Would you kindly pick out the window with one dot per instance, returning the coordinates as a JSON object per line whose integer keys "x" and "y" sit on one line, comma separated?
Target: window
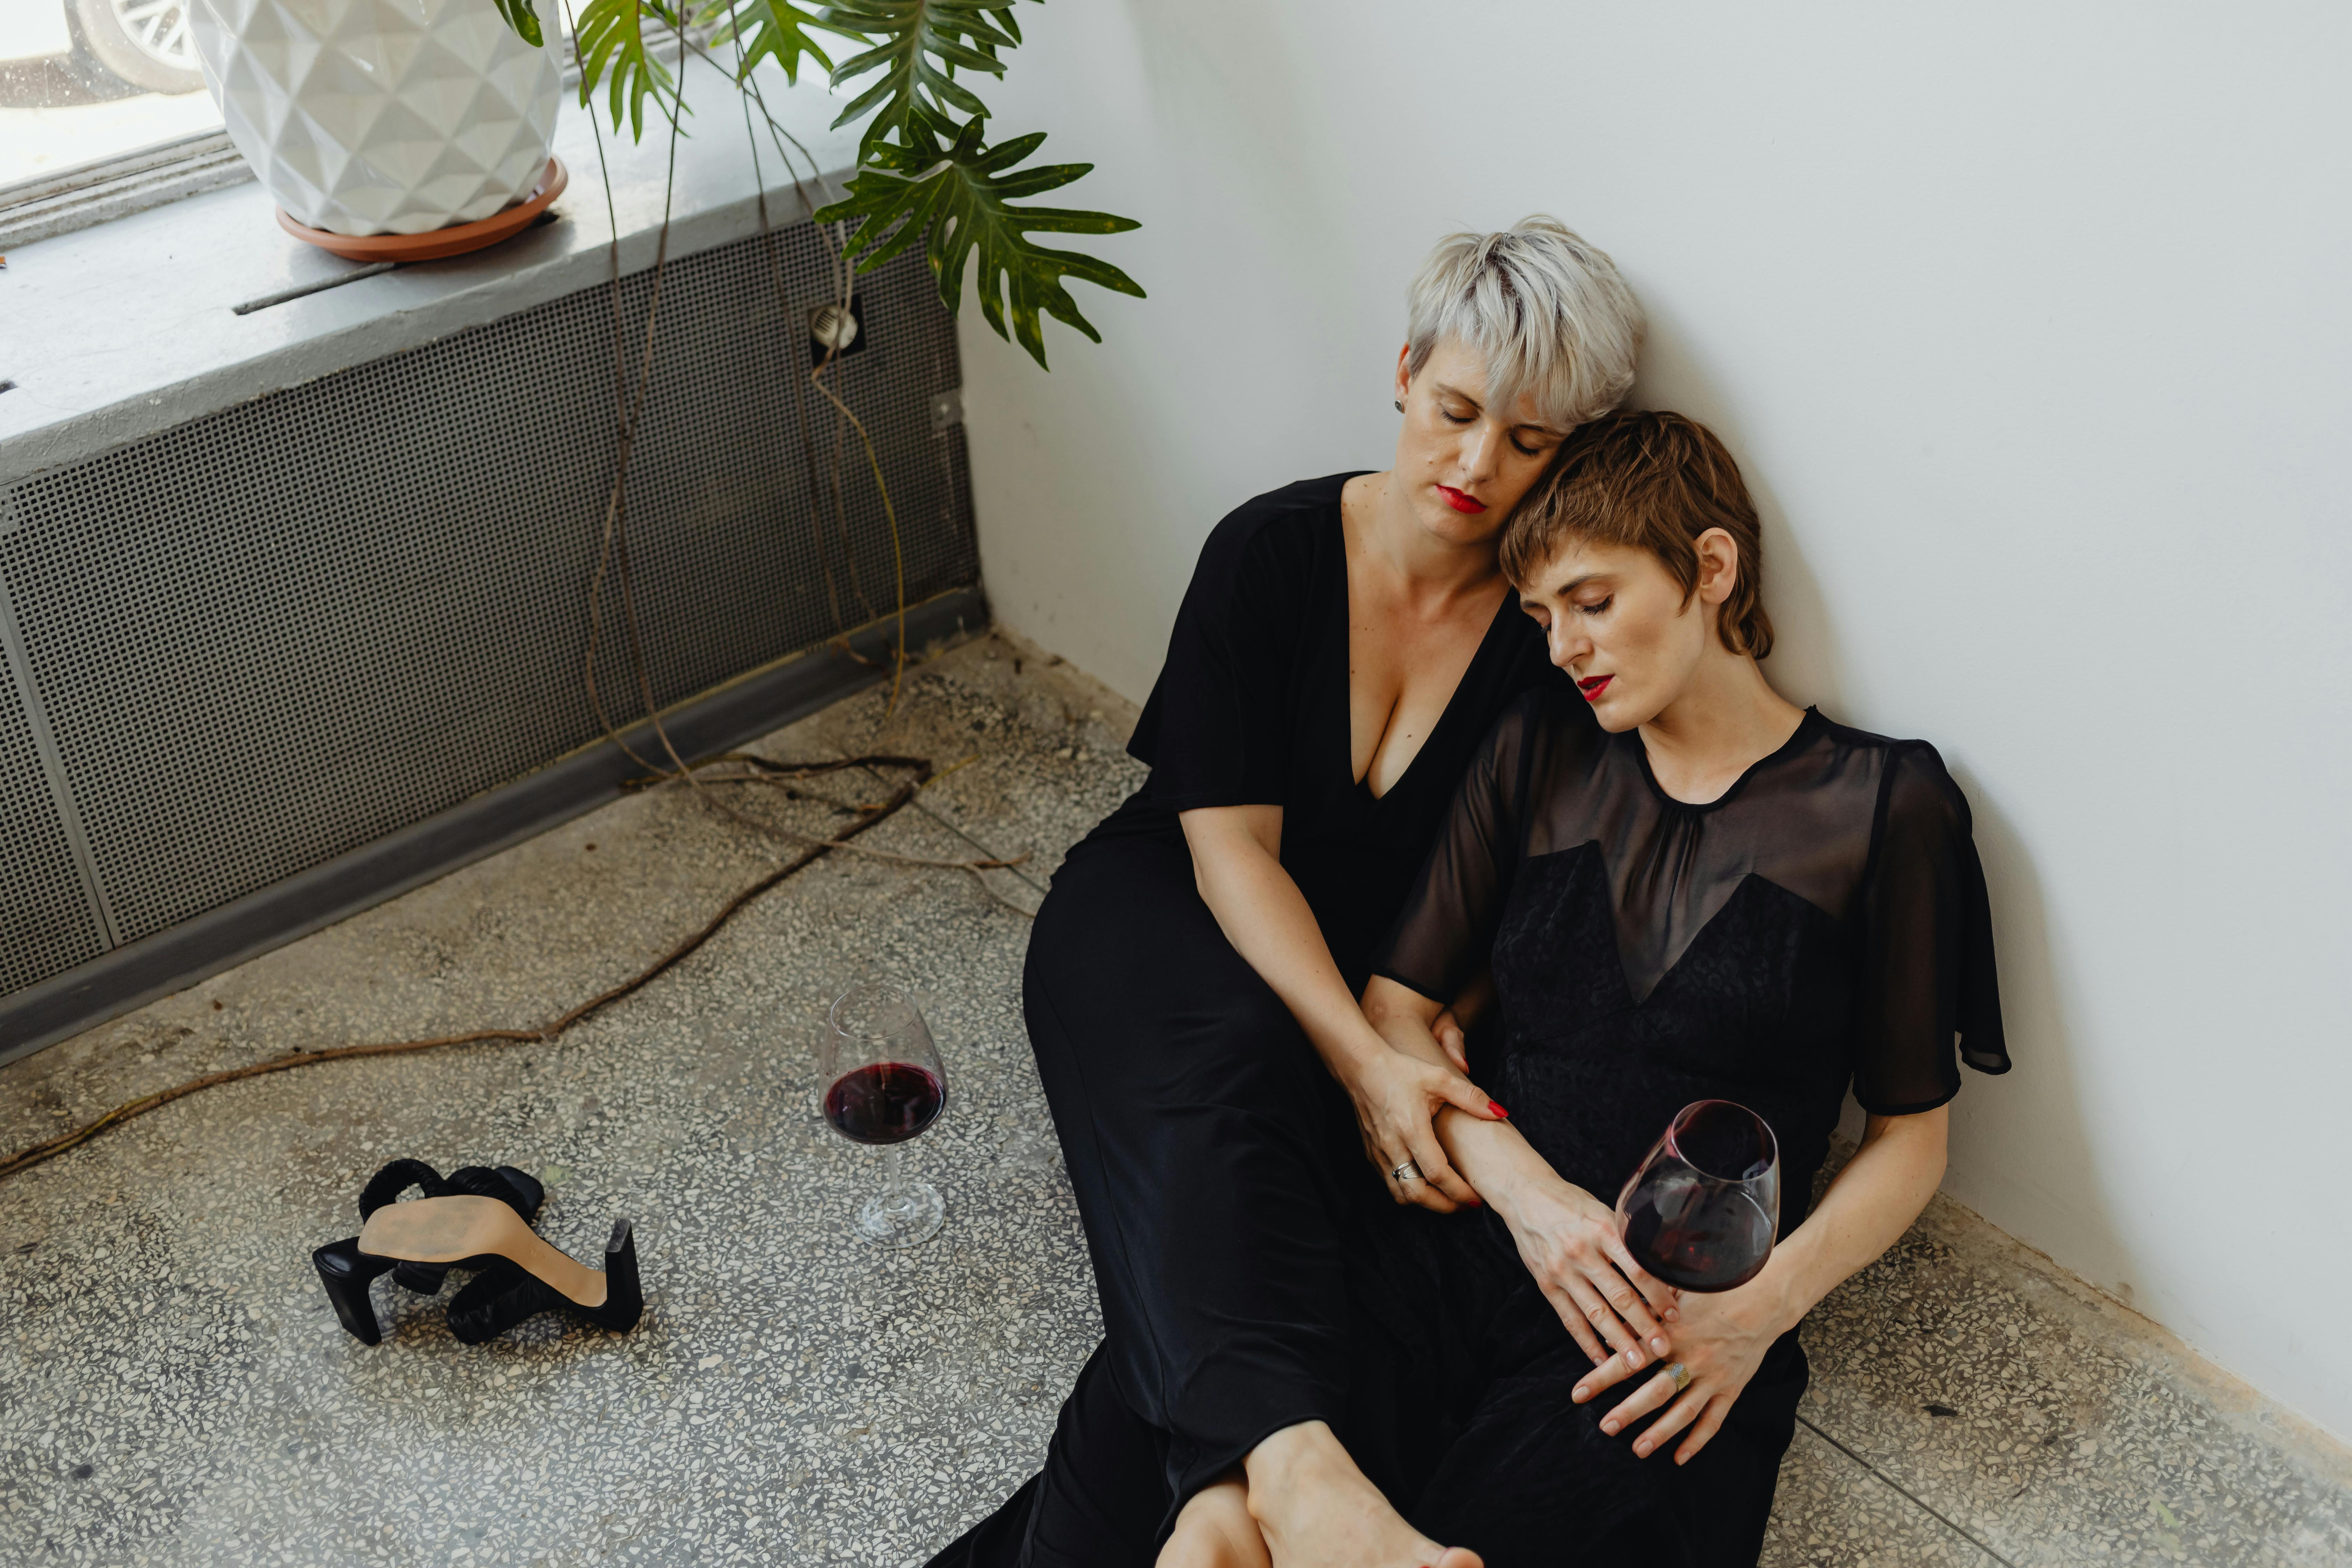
{"x": 86, "y": 79}
{"x": 102, "y": 112}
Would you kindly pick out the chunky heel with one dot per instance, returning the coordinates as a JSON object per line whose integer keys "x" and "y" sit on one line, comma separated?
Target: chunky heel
{"x": 524, "y": 1276}
{"x": 347, "y": 1272}
{"x": 625, "y": 1297}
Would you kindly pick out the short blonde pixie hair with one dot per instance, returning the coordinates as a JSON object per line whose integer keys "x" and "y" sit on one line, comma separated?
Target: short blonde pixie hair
{"x": 1545, "y": 309}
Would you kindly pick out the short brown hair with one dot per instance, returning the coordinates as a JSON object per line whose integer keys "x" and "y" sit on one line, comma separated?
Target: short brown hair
{"x": 1654, "y": 481}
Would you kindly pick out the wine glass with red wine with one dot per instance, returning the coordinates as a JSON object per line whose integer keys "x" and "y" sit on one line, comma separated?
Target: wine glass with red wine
{"x": 884, "y": 1085}
{"x": 1702, "y": 1208}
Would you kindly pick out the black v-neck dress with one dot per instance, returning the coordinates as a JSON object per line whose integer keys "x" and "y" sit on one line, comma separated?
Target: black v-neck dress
{"x": 1822, "y": 923}
{"x": 1215, "y": 1161}
{"x": 1252, "y": 709}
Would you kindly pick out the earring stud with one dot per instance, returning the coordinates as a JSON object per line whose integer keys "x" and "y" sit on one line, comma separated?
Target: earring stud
{"x": 1399, "y": 405}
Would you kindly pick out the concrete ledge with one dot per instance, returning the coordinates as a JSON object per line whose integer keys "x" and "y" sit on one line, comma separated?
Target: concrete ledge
{"x": 751, "y": 705}
{"x": 120, "y": 331}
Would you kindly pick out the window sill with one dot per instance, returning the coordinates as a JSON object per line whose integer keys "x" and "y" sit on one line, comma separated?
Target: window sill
{"x": 40, "y": 209}
{"x": 116, "y": 332}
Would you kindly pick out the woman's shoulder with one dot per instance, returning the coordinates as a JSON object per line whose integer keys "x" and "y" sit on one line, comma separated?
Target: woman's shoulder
{"x": 1276, "y": 534}
{"x": 1916, "y": 791}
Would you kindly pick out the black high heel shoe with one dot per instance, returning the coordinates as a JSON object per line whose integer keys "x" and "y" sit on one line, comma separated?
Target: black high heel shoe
{"x": 497, "y": 1299}
{"x": 533, "y": 1278}
{"x": 346, "y": 1272}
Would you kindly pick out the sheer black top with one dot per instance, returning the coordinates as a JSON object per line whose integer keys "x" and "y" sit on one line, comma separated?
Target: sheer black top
{"x": 1823, "y": 922}
{"x": 1251, "y": 708}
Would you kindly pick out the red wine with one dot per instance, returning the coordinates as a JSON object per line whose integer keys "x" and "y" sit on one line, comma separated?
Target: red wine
{"x": 887, "y": 1102}
{"x": 1695, "y": 1239}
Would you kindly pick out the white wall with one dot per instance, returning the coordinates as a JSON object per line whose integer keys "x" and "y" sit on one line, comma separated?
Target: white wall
{"x": 2029, "y": 326}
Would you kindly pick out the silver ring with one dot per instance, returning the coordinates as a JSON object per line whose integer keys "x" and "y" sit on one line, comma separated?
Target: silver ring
{"x": 1408, "y": 1171}
{"x": 1681, "y": 1374}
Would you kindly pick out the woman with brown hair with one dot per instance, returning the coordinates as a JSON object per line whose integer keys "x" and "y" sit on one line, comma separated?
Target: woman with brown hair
{"x": 1710, "y": 894}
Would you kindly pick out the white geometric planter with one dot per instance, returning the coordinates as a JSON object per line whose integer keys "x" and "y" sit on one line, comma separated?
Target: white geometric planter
{"x": 367, "y": 116}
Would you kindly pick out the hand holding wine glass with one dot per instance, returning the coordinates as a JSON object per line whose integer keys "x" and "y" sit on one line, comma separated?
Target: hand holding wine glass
{"x": 884, "y": 1084}
{"x": 1700, "y": 1213}
{"x": 1700, "y": 1210}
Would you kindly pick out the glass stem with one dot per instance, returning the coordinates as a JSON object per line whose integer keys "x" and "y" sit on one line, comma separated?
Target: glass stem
{"x": 894, "y": 1178}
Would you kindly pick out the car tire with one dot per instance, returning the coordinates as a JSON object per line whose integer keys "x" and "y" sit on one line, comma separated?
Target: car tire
{"x": 115, "y": 35}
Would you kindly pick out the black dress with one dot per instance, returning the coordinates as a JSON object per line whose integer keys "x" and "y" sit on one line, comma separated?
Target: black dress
{"x": 1823, "y": 922}
{"x": 1215, "y": 1160}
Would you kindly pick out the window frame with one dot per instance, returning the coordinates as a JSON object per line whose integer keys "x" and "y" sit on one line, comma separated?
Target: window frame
{"x": 64, "y": 200}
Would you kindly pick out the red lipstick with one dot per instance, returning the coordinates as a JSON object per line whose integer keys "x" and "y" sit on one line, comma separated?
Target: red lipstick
{"x": 1593, "y": 686}
{"x": 1461, "y": 501}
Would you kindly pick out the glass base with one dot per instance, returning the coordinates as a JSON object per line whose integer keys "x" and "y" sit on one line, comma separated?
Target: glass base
{"x": 910, "y": 1215}
{"x": 1029, "y": 1153}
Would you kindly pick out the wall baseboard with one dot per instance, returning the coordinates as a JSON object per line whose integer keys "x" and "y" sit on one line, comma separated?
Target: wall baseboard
{"x": 742, "y": 709}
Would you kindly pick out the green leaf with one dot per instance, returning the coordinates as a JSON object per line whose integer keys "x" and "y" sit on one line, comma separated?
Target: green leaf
{"x": 523, "y": 19}
{"x": 921, "y": 43}
{"x": 613, "y": 36}
{"x": 769, "y": 27}
{"x": 957, "y": 199}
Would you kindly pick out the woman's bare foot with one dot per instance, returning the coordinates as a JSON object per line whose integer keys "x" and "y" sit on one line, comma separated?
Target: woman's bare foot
{"x": 1317, "y": 1510}
{"x": 1215, "y": 1531}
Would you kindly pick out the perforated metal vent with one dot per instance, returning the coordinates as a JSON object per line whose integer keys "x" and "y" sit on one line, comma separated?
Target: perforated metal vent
{"x": 46, "y": 920}
{"x": 272, "y": 635}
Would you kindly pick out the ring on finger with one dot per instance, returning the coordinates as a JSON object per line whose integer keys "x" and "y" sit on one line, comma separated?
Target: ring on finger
{"x": 1408, "y": 1171}
{"x": 1681, "y": 1374}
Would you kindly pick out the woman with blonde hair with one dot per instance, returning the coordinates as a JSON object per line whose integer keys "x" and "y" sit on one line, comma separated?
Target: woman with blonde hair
{"x": 1192, "y": 984}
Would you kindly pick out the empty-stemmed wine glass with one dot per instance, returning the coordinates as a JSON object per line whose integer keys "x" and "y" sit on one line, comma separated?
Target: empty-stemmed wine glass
{"x": 884, "y": 1084}
{"x": 1701, "y": 1209}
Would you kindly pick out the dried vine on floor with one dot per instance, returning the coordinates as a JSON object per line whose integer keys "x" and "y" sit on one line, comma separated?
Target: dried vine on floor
{"x": 124, "y": 1112}
{"x": 612, "y": 563}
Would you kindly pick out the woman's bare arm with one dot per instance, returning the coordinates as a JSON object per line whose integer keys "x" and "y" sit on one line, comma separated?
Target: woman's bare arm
{"x": 1237, "y": 866}
{"x": 1868, "y": 1206}
{"x": 1566, "y": 1237}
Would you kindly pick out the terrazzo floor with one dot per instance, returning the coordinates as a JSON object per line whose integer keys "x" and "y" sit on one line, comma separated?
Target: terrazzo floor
{"x": 174, "y": 1390}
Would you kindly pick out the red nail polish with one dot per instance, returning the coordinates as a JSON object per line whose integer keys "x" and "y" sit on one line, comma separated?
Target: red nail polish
{"x": 1498, "y": 1111}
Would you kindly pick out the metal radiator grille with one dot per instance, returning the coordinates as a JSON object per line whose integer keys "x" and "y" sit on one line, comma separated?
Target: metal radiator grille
{"x": 45, "y": 923}
{"x": 269, "y": 636}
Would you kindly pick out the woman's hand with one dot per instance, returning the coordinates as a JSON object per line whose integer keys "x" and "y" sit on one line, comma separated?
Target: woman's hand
{"x": 1397, "y": 1099}
{"x": 1567, "y": 1239}
{"x": 1720, "y": 1341}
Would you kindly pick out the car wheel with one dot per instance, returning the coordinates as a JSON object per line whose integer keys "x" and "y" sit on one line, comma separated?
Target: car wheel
{"x": 147, "y": 43}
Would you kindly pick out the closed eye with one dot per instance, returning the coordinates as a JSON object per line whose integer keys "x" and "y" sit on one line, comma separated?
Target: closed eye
{"x": 1599, "y": 607}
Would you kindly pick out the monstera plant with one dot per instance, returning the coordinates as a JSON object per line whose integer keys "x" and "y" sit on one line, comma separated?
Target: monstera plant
{"x": 928, "y": 169}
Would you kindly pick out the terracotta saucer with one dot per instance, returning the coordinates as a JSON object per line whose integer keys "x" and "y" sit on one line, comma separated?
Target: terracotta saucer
{"x": 434, "y": 243}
